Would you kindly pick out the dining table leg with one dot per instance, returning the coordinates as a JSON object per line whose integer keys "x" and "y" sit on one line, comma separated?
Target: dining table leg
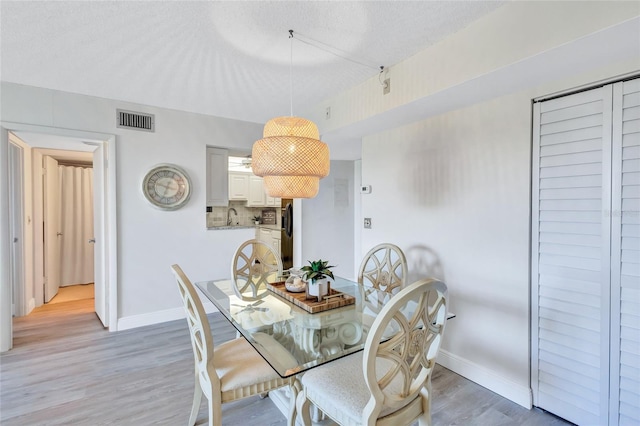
{"x": 295, "y": 389}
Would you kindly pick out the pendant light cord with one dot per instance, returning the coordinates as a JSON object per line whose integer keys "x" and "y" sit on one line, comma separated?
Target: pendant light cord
{"x": 330, "y": 49}
{"x": 334, "y": 51}
{"x": 291, "y": 69}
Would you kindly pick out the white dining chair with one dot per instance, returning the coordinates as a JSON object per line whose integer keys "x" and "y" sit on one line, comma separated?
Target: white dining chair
{"x": 227, "y": 372}
{"x": 384, "y": 268}
{"x": 383, "y": 272}
{"x": 389, "y": 382}
{"x": 254, "y": 265}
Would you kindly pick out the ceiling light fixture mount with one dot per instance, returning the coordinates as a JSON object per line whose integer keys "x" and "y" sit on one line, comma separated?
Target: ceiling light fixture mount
{"x": 290, "y": 156}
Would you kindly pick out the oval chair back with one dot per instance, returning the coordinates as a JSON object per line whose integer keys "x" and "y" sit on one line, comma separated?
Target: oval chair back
{"x": 384, "y": 268}
{"x": 201, "y": 341}
{"x": 254, "y": 265}
{"x": 398, "y": 369}
{"x": 239, "y": 370}
{"x": 389, "y": 382}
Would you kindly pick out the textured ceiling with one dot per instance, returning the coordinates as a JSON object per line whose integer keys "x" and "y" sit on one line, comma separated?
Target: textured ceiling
{"x": 229, "y": 59}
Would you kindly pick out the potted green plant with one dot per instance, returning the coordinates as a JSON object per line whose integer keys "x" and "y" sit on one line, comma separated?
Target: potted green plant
{"x": 316, "y": 274}
{"x": 256, "y": 220}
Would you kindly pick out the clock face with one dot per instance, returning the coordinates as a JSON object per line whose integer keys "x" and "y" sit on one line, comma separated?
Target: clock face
{"x": 167, "y": 186}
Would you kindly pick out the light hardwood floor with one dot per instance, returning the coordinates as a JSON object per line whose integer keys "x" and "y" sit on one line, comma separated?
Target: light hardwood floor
{"x": 65, "y": 369}
{"x": 74, "y": 292}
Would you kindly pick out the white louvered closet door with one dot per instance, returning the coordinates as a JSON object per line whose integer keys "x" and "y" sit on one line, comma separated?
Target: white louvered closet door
{"x": 585, "y": 256}
{"x": 625, "y": 254}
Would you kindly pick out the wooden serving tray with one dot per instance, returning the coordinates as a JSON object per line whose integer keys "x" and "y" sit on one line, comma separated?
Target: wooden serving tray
{"x": 337, "y": 299}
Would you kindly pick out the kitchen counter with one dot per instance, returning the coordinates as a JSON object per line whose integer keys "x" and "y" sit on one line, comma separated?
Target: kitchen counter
{"x": 217, "y": 228}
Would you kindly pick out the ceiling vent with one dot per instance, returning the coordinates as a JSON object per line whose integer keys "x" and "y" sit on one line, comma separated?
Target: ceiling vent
{"x": 136, "y": 120}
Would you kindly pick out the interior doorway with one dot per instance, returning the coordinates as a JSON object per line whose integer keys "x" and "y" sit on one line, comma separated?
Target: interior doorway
{"x": 58, "y": 184}
{"x": 105, "y": 260}
{"x": 69, "y": 230}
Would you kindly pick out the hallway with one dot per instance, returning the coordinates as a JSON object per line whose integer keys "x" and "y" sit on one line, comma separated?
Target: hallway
{"x": 74, "y": 292}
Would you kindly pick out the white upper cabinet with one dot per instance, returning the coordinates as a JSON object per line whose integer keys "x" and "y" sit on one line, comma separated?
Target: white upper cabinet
{"x": 270, "y": 201}
{"x": 256, "y": 192}
{"x": 238, "y": 186}
{"x": 217, "y": 177}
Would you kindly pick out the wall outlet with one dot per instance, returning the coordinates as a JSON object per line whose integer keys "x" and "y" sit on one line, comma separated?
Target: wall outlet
{"x": 367, "y": 223}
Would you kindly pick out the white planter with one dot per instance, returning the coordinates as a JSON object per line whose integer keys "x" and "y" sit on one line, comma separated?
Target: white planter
{"x": 318, "y": 289}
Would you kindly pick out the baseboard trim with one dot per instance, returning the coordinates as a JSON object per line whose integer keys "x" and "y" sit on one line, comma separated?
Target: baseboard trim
{"x": 519, "y": 394}
{"x": 151, "y": 318}
{"x": 31, "y": 305}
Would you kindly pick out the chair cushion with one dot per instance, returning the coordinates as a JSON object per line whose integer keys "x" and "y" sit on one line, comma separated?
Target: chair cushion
{"x": 242, "y": 371}
{"x": 339, "y": 389}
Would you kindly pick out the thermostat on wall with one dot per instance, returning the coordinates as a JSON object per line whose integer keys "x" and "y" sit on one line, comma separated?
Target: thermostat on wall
{"x": 365, "y": 189}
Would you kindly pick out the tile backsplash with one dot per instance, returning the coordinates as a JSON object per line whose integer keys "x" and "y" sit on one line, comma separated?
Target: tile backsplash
{"x": 218, "y": 215}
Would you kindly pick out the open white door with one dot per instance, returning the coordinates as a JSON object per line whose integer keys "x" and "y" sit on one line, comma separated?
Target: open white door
{"x": 99, "y": 235}
{"x": 6, "y": 322}
{"x": 16, "y": 227}
{"x": 51, "y": 228}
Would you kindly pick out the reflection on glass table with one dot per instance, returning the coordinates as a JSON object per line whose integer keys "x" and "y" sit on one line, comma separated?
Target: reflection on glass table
{"x": 288, "y": 337}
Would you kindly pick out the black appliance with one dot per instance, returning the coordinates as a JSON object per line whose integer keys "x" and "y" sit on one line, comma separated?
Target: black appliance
{"x": 286, "y": 242}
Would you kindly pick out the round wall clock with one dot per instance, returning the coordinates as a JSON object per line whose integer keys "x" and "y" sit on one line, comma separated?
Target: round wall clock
{"x": 167, "y": 186}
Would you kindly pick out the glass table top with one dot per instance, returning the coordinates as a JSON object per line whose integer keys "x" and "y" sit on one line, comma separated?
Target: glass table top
{"x": 288, "y": 337}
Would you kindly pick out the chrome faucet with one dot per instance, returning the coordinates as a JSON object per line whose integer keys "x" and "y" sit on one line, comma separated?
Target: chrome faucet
{"x": 231, "y": 209}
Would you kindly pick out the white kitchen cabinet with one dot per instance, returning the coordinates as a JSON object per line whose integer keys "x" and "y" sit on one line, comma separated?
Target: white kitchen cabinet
{"x": 238, "y": 186}
{"x": 256, "y": 197}
{"x": 270, "y": 201}
{"x": 256, "y": 193}
{"x": 275, "y": 241}
{"x": 265, "y": 236}
{"x": 217, "y": 177}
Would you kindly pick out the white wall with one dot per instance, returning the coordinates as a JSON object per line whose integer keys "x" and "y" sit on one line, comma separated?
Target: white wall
{"x": 149, "y": 240}
{"x": 328, "y": 221}
{"x": 453, "y": 192}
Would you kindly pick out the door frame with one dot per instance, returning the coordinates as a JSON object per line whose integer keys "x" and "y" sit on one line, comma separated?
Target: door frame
{"x": 108, "y": 240}
{"x": 17, "y": 228}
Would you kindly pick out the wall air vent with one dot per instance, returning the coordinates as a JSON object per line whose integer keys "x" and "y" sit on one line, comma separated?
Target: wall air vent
{"x": 136, "y": 120}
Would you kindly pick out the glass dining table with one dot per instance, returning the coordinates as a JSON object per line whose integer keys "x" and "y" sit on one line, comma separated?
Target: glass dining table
{"x": 291, "y": 339}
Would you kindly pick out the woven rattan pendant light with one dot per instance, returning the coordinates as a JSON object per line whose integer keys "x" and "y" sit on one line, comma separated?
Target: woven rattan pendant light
{"x": 290, "y": 156}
